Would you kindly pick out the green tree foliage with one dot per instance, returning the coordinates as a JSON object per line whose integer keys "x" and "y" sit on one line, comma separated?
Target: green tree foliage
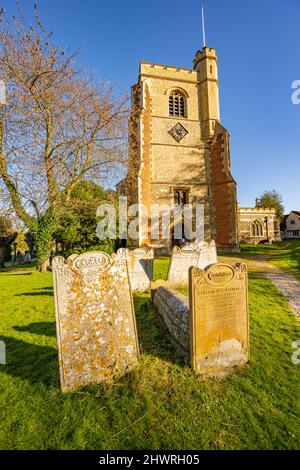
{"x": 272, "y": 199}
{"x": 22, "y": 246}
{"x": 7, "y": 237}
{"x": 76, "y": 231}
{"x": 43, "y": 229}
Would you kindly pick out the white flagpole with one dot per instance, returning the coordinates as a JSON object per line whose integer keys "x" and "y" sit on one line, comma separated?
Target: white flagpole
{"x": 203, "y": 26}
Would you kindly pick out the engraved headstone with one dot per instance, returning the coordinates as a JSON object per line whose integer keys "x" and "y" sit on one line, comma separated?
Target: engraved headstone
{"x": 219, "y": 321}
{"x": 183, "y": 258}
{"x": 95, "y": 321}
{"x": 140, "y": 267}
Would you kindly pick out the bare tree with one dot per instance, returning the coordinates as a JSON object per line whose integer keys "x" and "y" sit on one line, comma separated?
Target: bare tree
{"x": 57, "y": 127}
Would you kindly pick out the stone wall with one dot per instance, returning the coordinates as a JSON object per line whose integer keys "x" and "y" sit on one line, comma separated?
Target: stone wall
{"x": 173, "y": 309}
{"x": 223, "y": 207}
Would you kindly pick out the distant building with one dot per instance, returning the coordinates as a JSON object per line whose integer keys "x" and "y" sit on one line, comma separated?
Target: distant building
{"x": 258, "y": 224}
{"x": 291, "y": 227}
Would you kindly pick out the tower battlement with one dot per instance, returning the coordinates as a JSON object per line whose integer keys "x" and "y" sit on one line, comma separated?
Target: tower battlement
{"x": 205, "y": 53}
{"x": 171, "y": 72}
{"x": 166, "y": 67}
{"x": 257, "y": 210}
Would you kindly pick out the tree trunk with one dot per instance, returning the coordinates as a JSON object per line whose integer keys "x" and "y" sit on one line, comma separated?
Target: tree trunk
{"x": 2, "y": 256}
{"x": 44, "y": 266}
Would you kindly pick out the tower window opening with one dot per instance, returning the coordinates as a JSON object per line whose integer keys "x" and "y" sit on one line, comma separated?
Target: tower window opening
{"x": 177, "y": 104}
{"x": 180, "y": 198}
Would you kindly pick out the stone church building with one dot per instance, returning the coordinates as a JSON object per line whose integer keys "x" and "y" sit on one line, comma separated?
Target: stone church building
{"x": 179, "y": 152}
{"x": 178, "y": 149}
{"x": 257, "y": 225}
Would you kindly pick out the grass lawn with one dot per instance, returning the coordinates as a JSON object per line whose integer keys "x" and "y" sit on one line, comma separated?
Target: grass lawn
{"x": 162, "y": 404}
{"x": 284, "y": 255}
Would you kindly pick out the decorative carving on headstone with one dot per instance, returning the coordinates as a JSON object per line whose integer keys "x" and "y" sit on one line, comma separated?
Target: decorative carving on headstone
{"x": 219, "y": 320}
{"x": 97, "y": 338}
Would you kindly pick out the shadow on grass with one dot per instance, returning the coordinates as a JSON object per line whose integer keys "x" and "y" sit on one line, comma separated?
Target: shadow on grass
{"x": 39, "y": 328}
{"x": 16, "y": 274}
{"x": 153, "y": 337}
{"x": 39, "y": 364}
{"x": 35, "y": 294}
{"x": 18, "y": 267}
{"x": 47, "y": 288}
{"x": 31, "y": 362}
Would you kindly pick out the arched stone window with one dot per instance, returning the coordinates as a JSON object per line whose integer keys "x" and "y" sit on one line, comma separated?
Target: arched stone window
{"x": 177, "y": 104}
{"x": 257, "y": 229}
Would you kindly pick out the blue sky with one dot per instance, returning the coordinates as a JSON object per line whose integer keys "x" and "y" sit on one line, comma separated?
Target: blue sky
{"x": 257, "y": 43}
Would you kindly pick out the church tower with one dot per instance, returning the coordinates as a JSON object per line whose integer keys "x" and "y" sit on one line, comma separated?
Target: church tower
{"x": 179, "y": 152}
{"x": 206, "y": 65}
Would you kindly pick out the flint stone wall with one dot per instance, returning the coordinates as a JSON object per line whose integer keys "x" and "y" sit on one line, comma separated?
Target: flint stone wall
{"x": 173, "y": 310}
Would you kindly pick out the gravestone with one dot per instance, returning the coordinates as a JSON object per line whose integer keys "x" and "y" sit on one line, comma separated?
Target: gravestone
{"x": 95, "y": 321}
{"x": 219, "y": 321}
{"x": 207, "y": 255}
{"x": 183, "y": 258}
{"x": 2, "y": 353}
{"x": 140, "y": 267}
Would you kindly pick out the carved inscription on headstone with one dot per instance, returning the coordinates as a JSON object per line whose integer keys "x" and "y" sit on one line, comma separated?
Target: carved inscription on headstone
{"x": 219, "y": 324}
{"x": 95, "y": 319}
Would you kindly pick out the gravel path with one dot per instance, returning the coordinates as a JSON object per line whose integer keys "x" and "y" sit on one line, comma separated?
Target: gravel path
{"x": 289, "y": 287}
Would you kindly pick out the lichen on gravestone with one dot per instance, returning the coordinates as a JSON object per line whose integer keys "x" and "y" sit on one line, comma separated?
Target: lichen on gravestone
{"x": 97, "y": 338}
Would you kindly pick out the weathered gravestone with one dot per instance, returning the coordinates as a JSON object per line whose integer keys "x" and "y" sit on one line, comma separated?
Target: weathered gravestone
{"x": 219, "y": 323}
{"x": 207, "y": 255}
{"x": 95, "y": 321}
{"x": 140, "y": 267}
{"x": 183, "y": 258}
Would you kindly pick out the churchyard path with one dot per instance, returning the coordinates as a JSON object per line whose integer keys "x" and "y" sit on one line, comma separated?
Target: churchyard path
{"x": 287, "y": 284}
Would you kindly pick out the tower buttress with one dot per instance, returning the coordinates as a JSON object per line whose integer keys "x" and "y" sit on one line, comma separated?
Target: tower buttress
{"x": 206, "y": 64}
